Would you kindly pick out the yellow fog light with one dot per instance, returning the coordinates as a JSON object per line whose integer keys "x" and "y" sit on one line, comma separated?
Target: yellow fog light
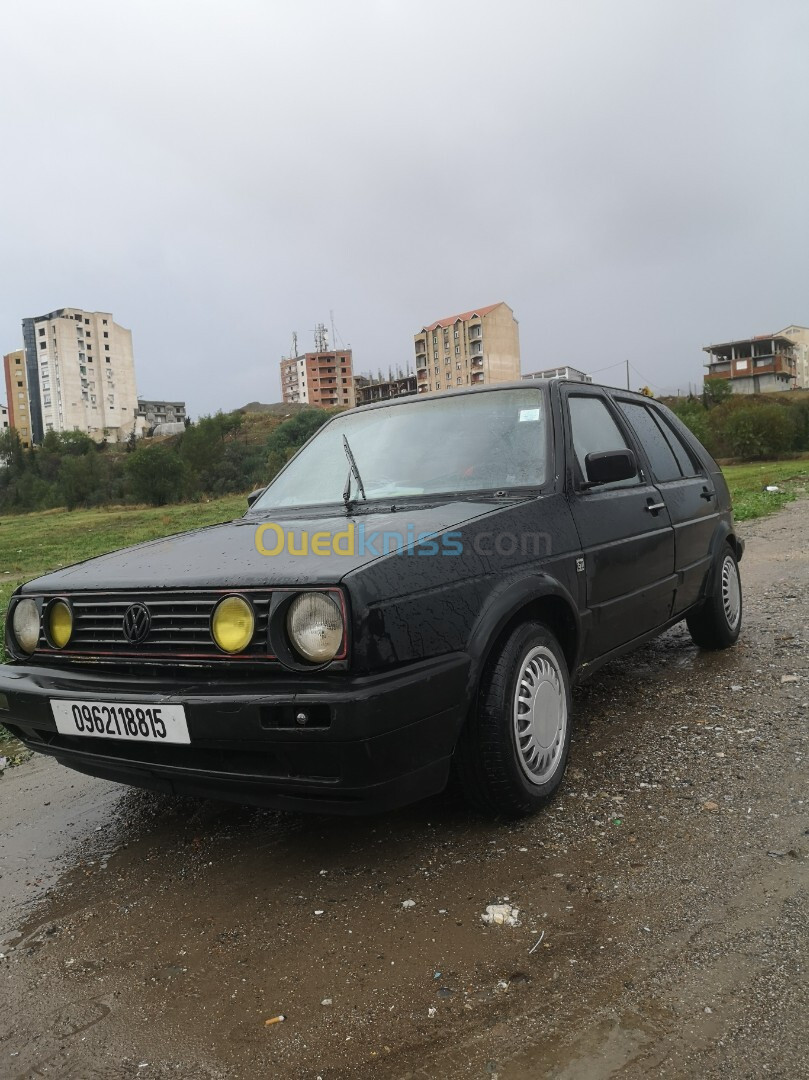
{"x": 25, "y": 625}
{"x": 232, "y": 624}
{"x": 60, "y": 623}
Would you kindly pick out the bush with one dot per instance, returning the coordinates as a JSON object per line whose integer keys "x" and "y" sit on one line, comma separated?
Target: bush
{"x": 156, "y": 475}
{"x": 759, "y": 431}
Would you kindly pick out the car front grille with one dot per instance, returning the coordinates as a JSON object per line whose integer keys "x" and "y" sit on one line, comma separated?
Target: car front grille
{"x": 179, "y": 626}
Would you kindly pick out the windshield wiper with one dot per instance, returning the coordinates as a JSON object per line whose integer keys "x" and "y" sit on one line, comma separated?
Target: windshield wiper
{"x": 353, "y": 471}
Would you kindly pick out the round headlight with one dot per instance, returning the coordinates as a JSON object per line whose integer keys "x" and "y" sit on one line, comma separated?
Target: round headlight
{"x": 25, "y": 624}
{"x": 315, "y": 626}
{"x": 60, "y": 623}
{"x": 233, "y": 624}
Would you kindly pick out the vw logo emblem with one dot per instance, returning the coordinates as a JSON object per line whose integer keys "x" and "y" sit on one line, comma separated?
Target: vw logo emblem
{"x": 137, "y": 622}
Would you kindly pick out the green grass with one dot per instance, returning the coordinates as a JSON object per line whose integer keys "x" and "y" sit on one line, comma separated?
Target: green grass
{"x": 747, "y": 484}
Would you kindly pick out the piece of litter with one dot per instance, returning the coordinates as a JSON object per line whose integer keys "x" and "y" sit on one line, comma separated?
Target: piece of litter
{"x": 772, "y": 488}
{"x": 708, "y": 1009}
{"x": 436, "y": 974}
{"x": 790, "y": 678}
{"x": 432, "y": 1011}
{"x": 408, "y": 903}
{"x": 275, "y": 1020}
{"x": 326, "y": 1001}
{"x": 501, "y": 915}
{"x": 538, "y": 943}
{"x": 320, "y": 911}
{"x": 712, "y": 806}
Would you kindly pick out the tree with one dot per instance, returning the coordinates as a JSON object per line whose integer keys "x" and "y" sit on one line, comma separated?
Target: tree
{"x": 715, "y": 391}
{"x": 156, "y": 475}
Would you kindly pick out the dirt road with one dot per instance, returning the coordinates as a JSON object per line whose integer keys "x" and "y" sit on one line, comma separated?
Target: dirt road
{"x": 664, "y": 918}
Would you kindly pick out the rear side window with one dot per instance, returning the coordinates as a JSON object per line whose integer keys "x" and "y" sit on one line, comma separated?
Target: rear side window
{"x": 685, "y": 459}
{"x": 653, "y": 440}
{"x": 594, "y": 430}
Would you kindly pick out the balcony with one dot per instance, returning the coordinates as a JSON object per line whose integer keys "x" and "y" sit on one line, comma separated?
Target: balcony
{"x": 475, "y": 333}
{"x": 477, "y": 377}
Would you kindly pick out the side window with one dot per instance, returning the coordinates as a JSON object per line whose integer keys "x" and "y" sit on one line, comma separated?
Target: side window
{"x": 594, "y": 430}
{"x": 685, "y": 459}
{"x": 659, "y": 452}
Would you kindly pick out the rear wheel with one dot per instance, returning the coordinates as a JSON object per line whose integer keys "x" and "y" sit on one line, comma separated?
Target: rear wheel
{"x": 513, "y": 751}
{"x": 717, "y": 622}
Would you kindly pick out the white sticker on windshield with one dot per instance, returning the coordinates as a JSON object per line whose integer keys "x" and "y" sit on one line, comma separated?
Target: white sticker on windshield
{"x": 529, "y": 414}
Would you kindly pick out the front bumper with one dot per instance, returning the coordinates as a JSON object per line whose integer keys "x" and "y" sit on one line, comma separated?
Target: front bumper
{"x": 385, "y": 740}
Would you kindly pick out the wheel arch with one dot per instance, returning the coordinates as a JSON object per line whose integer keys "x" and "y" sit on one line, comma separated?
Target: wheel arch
{"x": 544, "y": 599}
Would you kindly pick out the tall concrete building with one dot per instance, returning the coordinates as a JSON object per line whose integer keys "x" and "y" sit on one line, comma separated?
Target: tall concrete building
{"x": 16, "y": 378}
{"x": 761, "y": 364}
{"x": 321, "y": 378}
{"x": 81, "y": 374}
{"x": 480, "y": 346}
{"x": 4, "y": 424}
{"x": 799, "y": 336}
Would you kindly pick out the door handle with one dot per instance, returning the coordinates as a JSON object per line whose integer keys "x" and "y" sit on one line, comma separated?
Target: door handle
{"x": 654, "y": 507}
{"x": 707, "y": 494}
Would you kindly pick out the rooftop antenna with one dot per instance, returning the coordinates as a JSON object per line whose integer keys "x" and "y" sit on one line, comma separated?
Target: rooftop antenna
{"x": 321, "y": 339}
{"x": 294, "y": 344}
{"x": 335, "y": 335}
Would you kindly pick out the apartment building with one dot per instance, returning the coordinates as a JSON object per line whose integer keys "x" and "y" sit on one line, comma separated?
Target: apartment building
{"x": 4, "y": 424}
{"x": 566, "y": 372}
{"x": 153, "y": 413}
{"x": 81, "y": 374}
{"x": 757, "y": 365}
{"x": 480, "y": 346}
{"x": 322, "y": 378}
{"x": 16, "y": 379}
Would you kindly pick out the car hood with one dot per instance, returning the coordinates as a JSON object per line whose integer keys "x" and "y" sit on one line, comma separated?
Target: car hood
{"x": 228, "y": 555}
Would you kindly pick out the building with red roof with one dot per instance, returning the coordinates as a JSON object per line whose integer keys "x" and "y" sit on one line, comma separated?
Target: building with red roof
{"x": 473, "y": 347}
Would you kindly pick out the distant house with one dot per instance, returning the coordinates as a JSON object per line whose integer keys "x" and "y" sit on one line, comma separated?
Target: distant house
{"x": 762, "y": 364}
{"x": 565, "y": 372}
{"x": 152, "y": 413}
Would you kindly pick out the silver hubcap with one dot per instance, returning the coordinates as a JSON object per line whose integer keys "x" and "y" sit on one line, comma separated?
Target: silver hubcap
{"x": 731, "y": 592}
{"x": 540, "y": 715}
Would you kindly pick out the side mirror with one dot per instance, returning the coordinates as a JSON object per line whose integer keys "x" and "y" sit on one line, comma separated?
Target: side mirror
{"x": 609, "y": 466}
{"x": 251, "y": 498}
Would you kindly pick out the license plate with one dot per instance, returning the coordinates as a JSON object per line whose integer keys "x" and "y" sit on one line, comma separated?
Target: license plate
{"x": 121, "y": 720}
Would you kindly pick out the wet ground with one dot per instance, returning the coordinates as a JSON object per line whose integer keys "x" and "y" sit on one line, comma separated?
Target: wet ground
{"x": 664, "y": 918}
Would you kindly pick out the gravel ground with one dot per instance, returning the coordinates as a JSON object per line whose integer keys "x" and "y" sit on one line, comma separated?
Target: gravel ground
{"x": 663, "y": 916}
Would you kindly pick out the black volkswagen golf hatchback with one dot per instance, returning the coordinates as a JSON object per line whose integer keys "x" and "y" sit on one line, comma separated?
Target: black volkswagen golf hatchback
{"x": 411, "y": 596}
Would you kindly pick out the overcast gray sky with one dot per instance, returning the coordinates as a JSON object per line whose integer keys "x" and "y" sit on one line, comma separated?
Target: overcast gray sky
{"x": 629, "y": 175}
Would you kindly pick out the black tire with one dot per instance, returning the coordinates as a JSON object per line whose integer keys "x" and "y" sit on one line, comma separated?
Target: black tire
{"x": 717, "y": 622}
{"x": 493, "y": 764}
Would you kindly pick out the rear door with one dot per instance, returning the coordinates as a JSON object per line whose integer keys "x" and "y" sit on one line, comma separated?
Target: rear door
{"x": 624, "y": 529}
{"x": 687, "y": 490}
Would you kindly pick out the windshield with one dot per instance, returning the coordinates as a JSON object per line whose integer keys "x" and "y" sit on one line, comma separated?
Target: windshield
{"x": 467, "y": 442}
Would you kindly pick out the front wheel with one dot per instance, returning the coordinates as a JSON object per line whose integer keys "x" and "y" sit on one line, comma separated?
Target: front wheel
{"x": 717, "y": 622}
{"x": 512, "y": 753}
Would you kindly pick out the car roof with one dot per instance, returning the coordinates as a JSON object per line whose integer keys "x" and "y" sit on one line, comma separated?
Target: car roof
{"x": 517, "y": 384}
